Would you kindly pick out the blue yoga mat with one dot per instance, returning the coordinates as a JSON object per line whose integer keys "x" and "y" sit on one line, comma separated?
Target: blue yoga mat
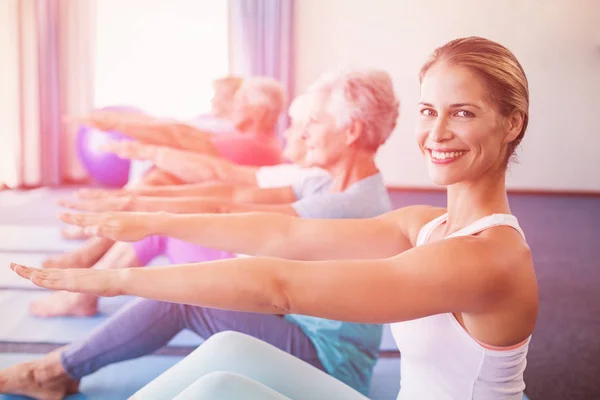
{"x": 115, "y": 382}
{"x": 35, "y": 239}
{"x": 19, "y": 327}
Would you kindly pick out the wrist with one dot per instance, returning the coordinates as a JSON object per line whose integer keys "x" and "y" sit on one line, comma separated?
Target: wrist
{"x": 121, "y": 280}
{"x": 158, "y": 223}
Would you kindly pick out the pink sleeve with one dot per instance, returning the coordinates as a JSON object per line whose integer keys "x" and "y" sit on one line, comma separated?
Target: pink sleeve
{"x": 147, "y": 249}
{"x": 248, "y": 150}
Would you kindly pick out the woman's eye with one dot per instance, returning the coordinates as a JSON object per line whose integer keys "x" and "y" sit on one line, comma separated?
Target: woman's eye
{"x": 428, "y": 112}
{"x": 464, "y": 114}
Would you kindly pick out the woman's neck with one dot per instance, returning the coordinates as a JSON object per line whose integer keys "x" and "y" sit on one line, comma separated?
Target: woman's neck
{"x": 352, "y": 169}
{"x": 471, "y": 200}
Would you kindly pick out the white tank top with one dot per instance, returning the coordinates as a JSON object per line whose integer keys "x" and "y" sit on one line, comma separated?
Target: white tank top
{"x": 441, "y": 361}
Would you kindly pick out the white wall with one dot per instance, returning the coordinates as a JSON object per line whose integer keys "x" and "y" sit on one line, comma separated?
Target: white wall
{"x": 557, "y": 42}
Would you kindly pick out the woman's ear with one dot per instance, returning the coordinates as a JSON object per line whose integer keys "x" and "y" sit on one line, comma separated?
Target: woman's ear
{"x": 514, "y": 125}
{"x": 354, "y": 131}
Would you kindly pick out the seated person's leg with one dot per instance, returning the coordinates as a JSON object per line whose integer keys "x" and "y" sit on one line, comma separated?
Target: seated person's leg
{"x": 144, "y": 327}
{"x": 225, "y": 385}
{"x": 84, "y": 257}
{"x": 255, "y": 359}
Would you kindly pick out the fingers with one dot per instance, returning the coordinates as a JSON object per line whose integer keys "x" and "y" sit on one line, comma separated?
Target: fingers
{"x": 55, "y": 279}
{"x": 128, "y": 149}
{"x": 80, "y": 205}
{"x": 83, "y": 220}
{"x": 96, "y": 205}
{"x": 41, "y": 278}
{"x": 89, "y": 194}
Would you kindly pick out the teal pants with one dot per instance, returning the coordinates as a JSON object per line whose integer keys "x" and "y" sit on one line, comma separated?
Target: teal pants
{"x": 234, "y": 366}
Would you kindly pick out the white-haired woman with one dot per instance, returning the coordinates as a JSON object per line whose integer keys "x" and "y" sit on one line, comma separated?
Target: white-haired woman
{"x": 343, "y": 119}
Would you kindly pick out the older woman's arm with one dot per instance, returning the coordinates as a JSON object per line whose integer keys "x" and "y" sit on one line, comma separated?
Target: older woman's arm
{"x": 269, "y": 234}
{"x": 151, "y": 130}
{"x": 189, "y": 166}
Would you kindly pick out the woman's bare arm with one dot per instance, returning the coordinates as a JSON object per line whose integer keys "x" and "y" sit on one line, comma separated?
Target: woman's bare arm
{"x": 151, "y": 130}
{"x": 267, "y": 234}
{"x": 189, "y": 166}
{"x": 444, "y": 276}
{"x": 134, "y": 199}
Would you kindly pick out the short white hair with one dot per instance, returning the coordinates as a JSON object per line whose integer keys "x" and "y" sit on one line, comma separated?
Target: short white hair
{"x": 366, "y": 95}
{"x": 265, "y": 93}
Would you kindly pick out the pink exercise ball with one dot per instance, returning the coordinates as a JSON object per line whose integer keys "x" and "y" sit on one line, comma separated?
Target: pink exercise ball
{"x": 105, "y": 168}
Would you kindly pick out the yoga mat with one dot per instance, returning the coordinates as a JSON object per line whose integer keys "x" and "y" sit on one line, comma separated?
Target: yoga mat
{"x": 115, "y": 382}
{"x": 17, "y": 326}
{"x": 34, "y": 238}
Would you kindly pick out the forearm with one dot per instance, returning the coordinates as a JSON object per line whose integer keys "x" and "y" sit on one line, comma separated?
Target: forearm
{"x": 197, "y": 168}
{"x": 284, "y": 236}
{"x": 218, "y": 190}
{"x": 177, "y": 205}
{"x": 276, "y": 286}
{"x": 235, "y": 284}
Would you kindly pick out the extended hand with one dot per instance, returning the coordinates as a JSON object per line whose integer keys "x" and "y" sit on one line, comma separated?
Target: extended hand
{"x": 122, "y": 226}
{"x": 110, "y": 120}
{"x": 89, "y": 194}
{"x": 106, "y": 283}
{"x": 122, "y": 203}
{"x": 131, "y": 150}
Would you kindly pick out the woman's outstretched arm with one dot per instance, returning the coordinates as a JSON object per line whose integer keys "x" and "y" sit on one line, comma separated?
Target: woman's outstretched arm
{"x": 151, "y": 130}
{"x": 189, "y": 166}
{"x": 216, "y": 198}
{"x": 266, "y": 234}
{"x": 417, "y": 283}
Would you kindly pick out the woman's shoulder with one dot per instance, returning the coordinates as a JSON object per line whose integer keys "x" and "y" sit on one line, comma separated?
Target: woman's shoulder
{"x": 411, "y": 219}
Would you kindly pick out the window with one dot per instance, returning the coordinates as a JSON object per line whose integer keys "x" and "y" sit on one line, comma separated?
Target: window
{"x": 160, "y": 56}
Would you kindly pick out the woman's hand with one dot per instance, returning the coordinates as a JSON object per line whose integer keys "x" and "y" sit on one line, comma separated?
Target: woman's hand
{"x": 99, "y": 204}
{"x": 132, "y": 150}
{"x": 92, "y": 194}
{"x": 121, "y": 226}
{"x": 106, "y": 120}
{"x": 106, "y": 283}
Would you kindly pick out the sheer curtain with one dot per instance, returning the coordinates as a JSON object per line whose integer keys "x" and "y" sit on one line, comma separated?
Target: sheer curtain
{"x": 48, "y": 73}
{"x": 262, "y": 38}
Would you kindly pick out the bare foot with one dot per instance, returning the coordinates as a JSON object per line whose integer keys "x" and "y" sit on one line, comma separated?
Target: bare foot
{"x": 85, "y": 257}
{"x": 74, "y": 259}
{"x": 43, "y": 379}
{"x": 65, "y": 304}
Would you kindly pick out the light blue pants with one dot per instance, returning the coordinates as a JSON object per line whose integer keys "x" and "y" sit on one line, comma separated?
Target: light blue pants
{"x": 235, "y": 366}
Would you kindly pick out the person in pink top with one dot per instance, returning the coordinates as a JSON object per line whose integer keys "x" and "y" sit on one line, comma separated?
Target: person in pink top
{"x": 254, "y": 109}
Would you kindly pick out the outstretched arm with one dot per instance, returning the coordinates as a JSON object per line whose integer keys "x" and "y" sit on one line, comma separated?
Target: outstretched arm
{"x": 414, "y": 284}
{"x": 265, "y": 234}
{"x": 204, "y": 198}
{"x": 188, "y": 205}
{"x": 188, "y": 166}
{"x": 154, "y": 131}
